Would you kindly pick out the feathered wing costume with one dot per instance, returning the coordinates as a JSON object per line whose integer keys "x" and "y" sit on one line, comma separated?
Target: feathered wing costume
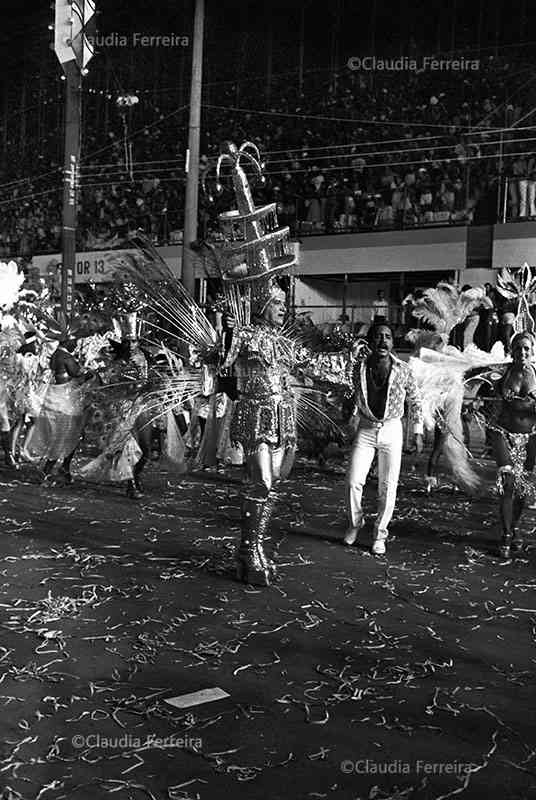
{"x": 440, "y": 371}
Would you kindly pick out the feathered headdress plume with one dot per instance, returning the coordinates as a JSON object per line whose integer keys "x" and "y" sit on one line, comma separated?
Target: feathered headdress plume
{"x": 446, "y": 306}
{"x": 178, "y": 314}
{"x": 11, "y": 281}
{"x": 520, "y": 286}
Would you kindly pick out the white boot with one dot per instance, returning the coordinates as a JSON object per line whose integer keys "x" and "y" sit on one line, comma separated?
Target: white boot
{"x": 431, "y": 483}
{"x": 351, "y": 534}
{"x": 378, "y": 545}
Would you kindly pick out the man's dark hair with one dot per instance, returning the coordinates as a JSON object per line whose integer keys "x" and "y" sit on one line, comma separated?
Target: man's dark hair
{"x": 375, "y": 326}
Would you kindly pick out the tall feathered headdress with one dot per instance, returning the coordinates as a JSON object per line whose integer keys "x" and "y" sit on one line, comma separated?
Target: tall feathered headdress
{"x": 446, "y": 306}
{"x": 255, "y": 248}
{"x": 520, "y": 286}
{"x": 174, "y": 311}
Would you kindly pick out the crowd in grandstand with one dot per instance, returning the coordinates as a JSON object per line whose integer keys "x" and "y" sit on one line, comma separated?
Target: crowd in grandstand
{"x": 341, "y": 155}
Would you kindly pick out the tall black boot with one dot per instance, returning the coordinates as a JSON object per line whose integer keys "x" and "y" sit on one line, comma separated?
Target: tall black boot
{"x": 251, "y": 563}
{"x": 9, "y": 458}
{"x": 132, "y": 491}
{"x": 65, "y": 469}
{"x": 138, "y": 469}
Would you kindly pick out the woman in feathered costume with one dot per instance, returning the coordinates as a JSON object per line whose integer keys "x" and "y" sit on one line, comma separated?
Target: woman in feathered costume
{"x": 57, "y": 430}
{"x": 125, "y": 421}
{"x": 513, "y": 421}
{"x": 441, "y": 381}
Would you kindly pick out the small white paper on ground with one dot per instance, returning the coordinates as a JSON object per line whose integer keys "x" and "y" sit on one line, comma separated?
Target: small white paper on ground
{"x": 197, "y": 698}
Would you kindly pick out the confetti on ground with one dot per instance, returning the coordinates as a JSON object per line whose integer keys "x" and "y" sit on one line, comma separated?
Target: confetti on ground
{"x": 350, "y": 677}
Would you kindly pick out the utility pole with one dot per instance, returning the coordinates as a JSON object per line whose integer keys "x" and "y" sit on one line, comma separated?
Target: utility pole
{"x": 301, "y": 47}
{"x": 73, "y": 43}
{"x": 73, "y": 99}
{"x": 269, "y": 60}
{"x": 192, "y": 156}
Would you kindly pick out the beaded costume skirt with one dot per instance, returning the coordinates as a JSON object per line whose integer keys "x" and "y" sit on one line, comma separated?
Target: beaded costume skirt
{"x": 270, "y": 419}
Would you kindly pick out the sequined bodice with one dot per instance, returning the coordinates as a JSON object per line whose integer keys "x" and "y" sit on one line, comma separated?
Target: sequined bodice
{"x": 262, "y": 359}
{"x": 256, "y": 379}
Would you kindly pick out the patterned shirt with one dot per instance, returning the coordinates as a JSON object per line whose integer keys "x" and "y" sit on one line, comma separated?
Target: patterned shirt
{"x": 401, "y": 387}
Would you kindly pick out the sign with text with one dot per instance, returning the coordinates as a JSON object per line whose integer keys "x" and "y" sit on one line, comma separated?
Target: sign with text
{"x": 98, "y": 266}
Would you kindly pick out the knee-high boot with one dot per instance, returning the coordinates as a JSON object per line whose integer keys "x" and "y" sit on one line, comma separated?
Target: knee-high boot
{"x": 134, "y": 486}
{"x": 5, "y": 439}
{"x": 251, "y": 563}
{"x": 138, "y": 469}
{"x": 264, "y": 524}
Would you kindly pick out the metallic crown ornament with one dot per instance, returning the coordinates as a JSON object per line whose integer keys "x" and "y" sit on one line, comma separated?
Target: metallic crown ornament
{"x": 255, "y": 248}
{"x": 519, "y": 285}
{"x": 129, "y": 326}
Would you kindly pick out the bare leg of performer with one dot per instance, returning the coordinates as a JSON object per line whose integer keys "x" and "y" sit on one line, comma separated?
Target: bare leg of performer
{"x": 506, "y": 510}
{"x": 519, "y": 503}
{"x": 15, "y": 434}
{"x": 433, "y": 461}
{"x": 517, "y": 510}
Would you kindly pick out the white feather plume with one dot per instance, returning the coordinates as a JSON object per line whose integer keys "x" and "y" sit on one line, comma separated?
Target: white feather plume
{"x": 11, "y": 281}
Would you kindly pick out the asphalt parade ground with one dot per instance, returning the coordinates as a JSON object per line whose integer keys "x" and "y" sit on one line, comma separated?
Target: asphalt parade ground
{"x": 410, "y": 676}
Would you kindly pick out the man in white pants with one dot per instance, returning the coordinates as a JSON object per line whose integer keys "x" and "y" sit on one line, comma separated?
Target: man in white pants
{"x": 382, "y": 385}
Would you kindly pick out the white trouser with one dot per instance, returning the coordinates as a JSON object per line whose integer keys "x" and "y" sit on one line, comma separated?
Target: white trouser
{"x": 386, "y": 440}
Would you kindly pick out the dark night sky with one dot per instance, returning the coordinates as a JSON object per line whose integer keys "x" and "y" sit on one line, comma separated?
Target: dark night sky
{"x": 430, "y": 22}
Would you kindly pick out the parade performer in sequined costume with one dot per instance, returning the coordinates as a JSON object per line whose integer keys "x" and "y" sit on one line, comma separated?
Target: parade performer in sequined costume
{"x": 58, "y": 428}
{"x": 263, "y": 423}
{"x": 261, "y": 358}
{"x": 12, "y": 378}
{"x": 263, "y": 355}
{"x": 33, "y": 376}
{"x": 123, "y": 379}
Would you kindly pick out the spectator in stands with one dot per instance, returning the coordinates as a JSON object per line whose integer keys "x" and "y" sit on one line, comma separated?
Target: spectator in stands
{"x": 518, "y": 187}
{"x": 380, "y": 308}
{"x": 343, "y": 191}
